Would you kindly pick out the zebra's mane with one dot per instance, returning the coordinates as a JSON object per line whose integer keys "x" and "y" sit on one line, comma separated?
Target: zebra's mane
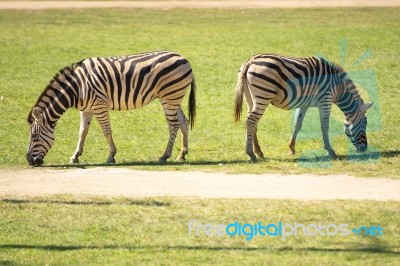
{"x": 60, "y": 74}
{"x": 337, "y": 69}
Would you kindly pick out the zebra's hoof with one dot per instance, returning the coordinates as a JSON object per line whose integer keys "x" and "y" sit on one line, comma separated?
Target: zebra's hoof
{"x": 162, "y": 160}
{"x": 253, "y": 158}
{"x": 110, "y": 160}
{"x": 332, "y": 155}
{"x": 181, "y": 158}
{"x": 73, "y": 160}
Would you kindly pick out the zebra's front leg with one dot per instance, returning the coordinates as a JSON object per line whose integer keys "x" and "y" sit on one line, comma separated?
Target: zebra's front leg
{"x": 324, "y": 113}
{"x": 184, "y": 125}
{"x": 104, "y": 121}
{"x": 298, "y": 122}
{"x": 86, "y": 118}
{"x": 112, "y": 149}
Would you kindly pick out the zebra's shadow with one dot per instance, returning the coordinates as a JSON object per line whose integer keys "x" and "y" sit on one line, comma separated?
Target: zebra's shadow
{"x": 318, "y": 159}
{"x": 146, "y": 163}
{"x": 370, "y": 155}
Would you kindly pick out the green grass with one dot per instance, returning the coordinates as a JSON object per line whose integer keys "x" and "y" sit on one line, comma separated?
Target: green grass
{"x": 65, "y": 230}
{"x": 35, "y": 44}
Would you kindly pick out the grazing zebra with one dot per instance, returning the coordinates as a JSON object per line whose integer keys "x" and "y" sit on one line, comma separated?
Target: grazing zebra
{"x": 96, "y": 85}
{"x": 299, "y": 83}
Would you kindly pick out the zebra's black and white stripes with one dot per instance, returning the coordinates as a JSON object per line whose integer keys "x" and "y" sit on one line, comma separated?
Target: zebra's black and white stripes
{"x": 96, "y": 85}
{"x": 289, "y": 83}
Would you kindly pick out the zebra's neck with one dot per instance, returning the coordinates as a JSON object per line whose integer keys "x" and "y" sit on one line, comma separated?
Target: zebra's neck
{"x": 349, "y": 101}
{"x": 346, "y": 94}
{"x": 59, "y": 96}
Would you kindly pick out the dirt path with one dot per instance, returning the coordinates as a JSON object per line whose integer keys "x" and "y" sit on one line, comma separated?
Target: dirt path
{"x": 114, "y": 182}
{"x": 196, "y": 4}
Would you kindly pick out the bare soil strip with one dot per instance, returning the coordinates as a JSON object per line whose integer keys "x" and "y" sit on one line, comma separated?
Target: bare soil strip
{"x": 115, "y": 182}
{"x": 37, "y": 5}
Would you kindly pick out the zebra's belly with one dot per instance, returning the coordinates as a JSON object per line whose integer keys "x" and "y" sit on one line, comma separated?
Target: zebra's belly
{"x": 288, "y": 104}
{"x": 304, "y": 102}
{"x": 130, "y": 104}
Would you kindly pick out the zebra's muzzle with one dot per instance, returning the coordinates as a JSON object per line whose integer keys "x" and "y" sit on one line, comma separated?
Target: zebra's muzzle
{"x": 34, "y": 161}
{"x": 361, "y": 148}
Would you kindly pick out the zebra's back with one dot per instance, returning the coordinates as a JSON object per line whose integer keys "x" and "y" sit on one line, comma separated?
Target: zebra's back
{"x": 288, "y": 82}
{"x": 133, "y": 81}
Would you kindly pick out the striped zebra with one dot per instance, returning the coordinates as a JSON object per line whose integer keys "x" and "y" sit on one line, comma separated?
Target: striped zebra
{"x": 300, "y": 83}
{"x": 96, "y": 85}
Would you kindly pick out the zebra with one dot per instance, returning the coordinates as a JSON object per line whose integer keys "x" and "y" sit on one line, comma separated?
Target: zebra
{"x": 290, "y": 83}
{"x": 96, "y": 85}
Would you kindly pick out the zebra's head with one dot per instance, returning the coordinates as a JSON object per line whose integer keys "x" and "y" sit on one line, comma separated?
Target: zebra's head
{"x": 41, "y": 137}
{"x": 357, "y": 130}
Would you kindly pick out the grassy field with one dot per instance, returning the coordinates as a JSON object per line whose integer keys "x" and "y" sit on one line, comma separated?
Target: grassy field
{"x": 92, "y": 231}
{"x": 35, "y": 44}
{"x": 66, "y": 230}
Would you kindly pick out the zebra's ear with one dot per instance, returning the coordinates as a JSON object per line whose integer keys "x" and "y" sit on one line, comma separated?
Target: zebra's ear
{"x": 366, "y": 106}
{"x": 37, "y": 113}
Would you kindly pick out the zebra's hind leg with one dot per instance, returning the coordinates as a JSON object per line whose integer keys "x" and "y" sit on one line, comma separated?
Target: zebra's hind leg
{"x": 254, "y": 114}
{"x": 298, "y": 122}
{"x": 86, "y": 118}
{"x": 104, "y": 121}
{"x": 251, "y": 128}
{"x": 185, "y": 135}
{"x": 173, "y": 126}
{"x": 256, "y": 145}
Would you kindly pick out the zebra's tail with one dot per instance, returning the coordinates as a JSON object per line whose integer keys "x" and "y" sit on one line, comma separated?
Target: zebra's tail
{"x": 192, "y": 103}
{"x": 241, "y": 83}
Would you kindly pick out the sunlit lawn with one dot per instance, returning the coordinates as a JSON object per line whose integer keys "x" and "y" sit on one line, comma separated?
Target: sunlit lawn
{"x": 35, "y": 44}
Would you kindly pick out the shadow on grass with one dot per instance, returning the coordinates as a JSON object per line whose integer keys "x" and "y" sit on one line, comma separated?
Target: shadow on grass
{"x": 390, "y": 154}
{"x": 313, "y": 159}
{"x": 150, "y": 163}
{"x": 372, "y": 249}
{"x": 357, "y": 157}
{"x": 152, "y": 203}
